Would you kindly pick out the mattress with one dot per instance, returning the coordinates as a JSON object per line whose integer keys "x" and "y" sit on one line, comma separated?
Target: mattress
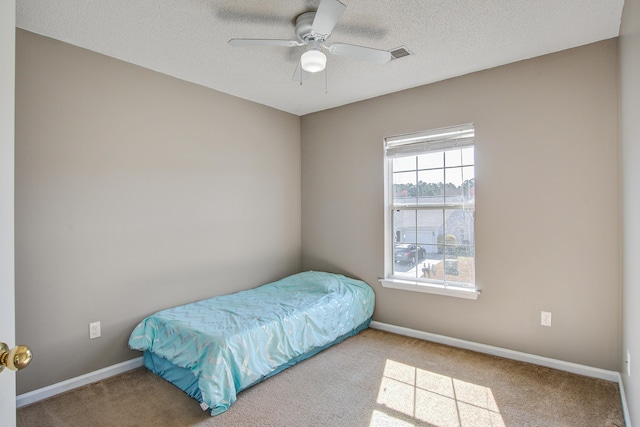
{"x": 217, "y": 347}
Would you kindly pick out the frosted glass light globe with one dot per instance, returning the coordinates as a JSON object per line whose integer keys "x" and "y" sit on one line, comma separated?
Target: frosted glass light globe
{"x": 313, "y": 61}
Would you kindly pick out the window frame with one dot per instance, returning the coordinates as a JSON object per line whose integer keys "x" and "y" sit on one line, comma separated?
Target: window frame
{"x": 441, "y": 139}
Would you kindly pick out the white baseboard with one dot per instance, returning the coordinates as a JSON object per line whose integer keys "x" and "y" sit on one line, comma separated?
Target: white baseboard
{"x": 70, "y": 384}
{"x": 625, "y": 408}
{"x": 502, "y": 352}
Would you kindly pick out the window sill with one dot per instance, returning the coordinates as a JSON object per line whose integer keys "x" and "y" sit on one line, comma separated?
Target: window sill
{"x": 410, "y": 285}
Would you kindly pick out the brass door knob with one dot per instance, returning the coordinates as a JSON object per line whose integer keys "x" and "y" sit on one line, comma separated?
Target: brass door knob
{"x": 16, "y": 358}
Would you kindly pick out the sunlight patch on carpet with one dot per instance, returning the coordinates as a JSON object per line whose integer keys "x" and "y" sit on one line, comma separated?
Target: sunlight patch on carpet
{"x": 433, "y": 398}
{"x": 381, "y": 419}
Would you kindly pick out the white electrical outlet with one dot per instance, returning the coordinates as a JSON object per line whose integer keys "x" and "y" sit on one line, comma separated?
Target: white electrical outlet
{"x": 628, "y": 362}
{"x": 94, "y": 330}
{"x": 545, "y": 318}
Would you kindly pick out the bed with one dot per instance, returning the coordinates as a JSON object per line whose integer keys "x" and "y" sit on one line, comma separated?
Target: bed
{"x": 215, "y": 348}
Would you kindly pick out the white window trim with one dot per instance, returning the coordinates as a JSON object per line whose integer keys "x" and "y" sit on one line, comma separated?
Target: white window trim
{"x": 429, "y": 288}
{"x": 406, "y": 284}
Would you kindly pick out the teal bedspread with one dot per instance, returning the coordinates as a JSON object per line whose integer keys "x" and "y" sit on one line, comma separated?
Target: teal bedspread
{"x": 232, "y": 341}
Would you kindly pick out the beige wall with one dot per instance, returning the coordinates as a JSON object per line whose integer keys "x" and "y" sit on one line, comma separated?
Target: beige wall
{"x": 547, "y": 209}
{"x": 630, "y": 138}
{"x": 135, "y": 192}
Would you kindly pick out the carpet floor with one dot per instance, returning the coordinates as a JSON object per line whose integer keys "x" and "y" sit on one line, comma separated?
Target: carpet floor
{"x": 373, "y": 379}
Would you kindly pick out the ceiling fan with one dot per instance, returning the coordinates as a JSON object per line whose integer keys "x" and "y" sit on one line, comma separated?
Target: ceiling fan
{"x": 312, "y": 30}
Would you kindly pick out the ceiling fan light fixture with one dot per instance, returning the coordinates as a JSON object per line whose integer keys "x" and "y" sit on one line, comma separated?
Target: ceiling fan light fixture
{"x": 313, "y": 61}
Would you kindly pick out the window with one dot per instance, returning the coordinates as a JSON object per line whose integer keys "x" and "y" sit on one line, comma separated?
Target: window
{"x": 430, "y": 211}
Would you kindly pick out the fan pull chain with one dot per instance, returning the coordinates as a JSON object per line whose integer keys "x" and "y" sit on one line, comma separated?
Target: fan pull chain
{"x": 326, "y": 80}
{"x": 301, "y": 71}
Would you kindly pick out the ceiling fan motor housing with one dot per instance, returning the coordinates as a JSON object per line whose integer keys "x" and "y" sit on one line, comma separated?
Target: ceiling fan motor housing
{"x": 304, "y": 32}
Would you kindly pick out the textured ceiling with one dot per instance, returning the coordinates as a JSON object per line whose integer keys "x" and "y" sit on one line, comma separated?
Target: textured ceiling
{"x": 188, "y": 39}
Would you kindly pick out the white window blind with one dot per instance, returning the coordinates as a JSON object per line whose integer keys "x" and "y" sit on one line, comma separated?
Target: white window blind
{"x": 431, "y": 140}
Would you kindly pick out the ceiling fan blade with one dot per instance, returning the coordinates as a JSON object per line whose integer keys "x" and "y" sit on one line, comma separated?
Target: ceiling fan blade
{"x": 264, "y": 42}
{"x": 360, "y": 52}
{"x": 327, "y": 16}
